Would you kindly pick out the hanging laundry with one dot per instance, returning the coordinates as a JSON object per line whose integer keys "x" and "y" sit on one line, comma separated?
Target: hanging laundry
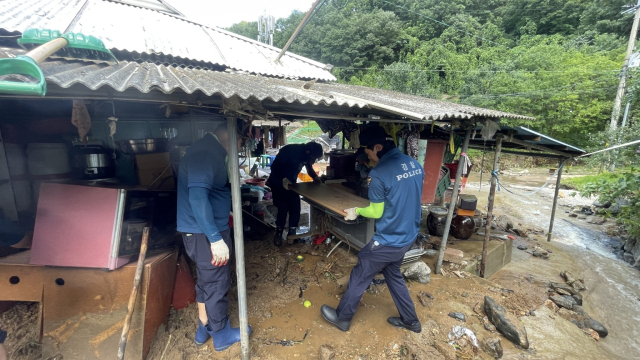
{"x": 80, "y": 118}
{"x": 412, "y": 144}
{"x": 280, "y": 137}
{"x": 333, "y": 127}
{"x": 354, "y": 139}
{"x": 489, "y": 129}
{"x": 402, "y": 140}
{"x": 393, "y": 129}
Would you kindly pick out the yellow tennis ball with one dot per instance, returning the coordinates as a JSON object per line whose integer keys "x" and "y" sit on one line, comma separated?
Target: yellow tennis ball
{"x": 300, "y": 258}
{"x": 307, "y": 303}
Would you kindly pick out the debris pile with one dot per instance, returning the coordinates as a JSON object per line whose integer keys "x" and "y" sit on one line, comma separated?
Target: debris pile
{"x": 566, "y": 301}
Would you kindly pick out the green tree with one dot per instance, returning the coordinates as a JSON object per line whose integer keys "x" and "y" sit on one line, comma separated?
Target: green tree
{"x": 245, "y": 28}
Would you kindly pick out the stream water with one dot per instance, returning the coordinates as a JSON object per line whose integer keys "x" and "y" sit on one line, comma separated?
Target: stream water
{"x": 613, "y": 287}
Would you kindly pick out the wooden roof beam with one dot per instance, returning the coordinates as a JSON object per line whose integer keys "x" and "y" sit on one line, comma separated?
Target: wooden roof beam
{"x": 510, "y": 138}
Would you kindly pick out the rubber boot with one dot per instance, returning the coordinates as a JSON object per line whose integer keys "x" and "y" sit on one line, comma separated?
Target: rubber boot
{"x": 290, "y": 234}
{"x": 202, "y": 335}
{"x": 225, "y": 337}
{"x": 277, "y": 238}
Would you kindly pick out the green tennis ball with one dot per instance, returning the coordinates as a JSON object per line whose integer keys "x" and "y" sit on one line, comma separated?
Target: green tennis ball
{"x": 307, "y": 303}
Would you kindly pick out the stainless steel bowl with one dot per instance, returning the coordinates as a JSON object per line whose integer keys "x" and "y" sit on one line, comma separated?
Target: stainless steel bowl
{"x": 143, "y": 146}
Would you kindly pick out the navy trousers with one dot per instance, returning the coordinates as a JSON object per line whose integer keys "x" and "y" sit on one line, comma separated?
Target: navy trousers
{"x": 213, "y": 282}
{"x": 371, "y": 260}
{"x": 287, "y": 202}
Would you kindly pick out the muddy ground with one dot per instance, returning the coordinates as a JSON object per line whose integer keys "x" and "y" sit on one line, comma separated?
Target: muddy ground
{"x": 277, "y": 286}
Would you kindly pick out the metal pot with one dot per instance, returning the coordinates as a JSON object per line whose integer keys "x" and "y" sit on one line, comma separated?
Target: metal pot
{"x": 90, "y": 163}
{"x": 143, "y": 146}
{"x": 437, "y": 220}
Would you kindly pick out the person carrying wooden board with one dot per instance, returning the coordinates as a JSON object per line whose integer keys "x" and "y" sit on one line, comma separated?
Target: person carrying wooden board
{"x": 394, "y": 195}
{"x": 284, "y": 172}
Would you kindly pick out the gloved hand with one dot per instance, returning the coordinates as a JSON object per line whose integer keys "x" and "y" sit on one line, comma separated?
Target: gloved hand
{"x": 317, "y": 180}
{"x": 351, "y": 213}
{"x": 286, "y": 183}
{"x": 219, "y": 253}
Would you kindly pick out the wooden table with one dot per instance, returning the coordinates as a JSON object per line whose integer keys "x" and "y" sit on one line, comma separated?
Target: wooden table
{"x": 323, "y": 197}
{"x": 329, "y": 197}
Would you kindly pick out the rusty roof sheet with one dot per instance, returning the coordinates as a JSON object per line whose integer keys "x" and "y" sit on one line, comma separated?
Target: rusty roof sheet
{"x": 147, "y": 77}
{"x": 140, "y": 30}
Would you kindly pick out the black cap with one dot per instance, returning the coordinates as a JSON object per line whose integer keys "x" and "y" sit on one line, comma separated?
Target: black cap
{"x": 373, "y": 135}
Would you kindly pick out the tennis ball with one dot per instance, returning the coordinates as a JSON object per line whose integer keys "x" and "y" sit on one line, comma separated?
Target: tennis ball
{"x": 299, "y": 258}
{"x": 307, "y": 303}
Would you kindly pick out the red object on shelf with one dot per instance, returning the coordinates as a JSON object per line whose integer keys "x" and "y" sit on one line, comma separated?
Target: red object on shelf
{"x": 184, "y": 288}
{"x": 256, "y": 182}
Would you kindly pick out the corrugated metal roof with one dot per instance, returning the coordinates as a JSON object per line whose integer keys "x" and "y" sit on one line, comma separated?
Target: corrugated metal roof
{"x": 146, "y": 77}
{"x": 546, "y": 140}
{"x": 527, "y": 136}
{"x": 143, "y": 31}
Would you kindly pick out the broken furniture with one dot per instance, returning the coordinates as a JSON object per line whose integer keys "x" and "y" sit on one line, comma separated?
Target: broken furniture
{"x": 99, "y": 226}
{"x": 83, "y": 309}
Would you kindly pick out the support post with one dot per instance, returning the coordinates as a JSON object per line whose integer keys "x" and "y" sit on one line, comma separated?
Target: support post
{"x": 454, "y": 196}
{"x": 492, "y": 194}
{"x": 624, "y": 123}
{"x": 555, "y": 200}
{"x": 238, "y": 228}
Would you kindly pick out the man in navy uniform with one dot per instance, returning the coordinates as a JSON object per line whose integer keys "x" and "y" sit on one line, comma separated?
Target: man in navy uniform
{"x": 394, "y": 195}
{"x": 284, "y": 172}
{"x": 204, "y": 203}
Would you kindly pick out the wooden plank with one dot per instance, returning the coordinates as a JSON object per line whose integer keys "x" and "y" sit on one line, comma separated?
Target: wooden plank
{"x": 343, "y": 188}
{"x": 329, "y": 197}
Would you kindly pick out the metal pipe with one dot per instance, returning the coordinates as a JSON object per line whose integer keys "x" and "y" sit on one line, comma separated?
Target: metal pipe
{"x": 492, "y": 194}
{"x": 238, "y": 228}
{"x": 454, "y": 198}
{"x": 555, "y": 200}
{"x": 297, "y": 31}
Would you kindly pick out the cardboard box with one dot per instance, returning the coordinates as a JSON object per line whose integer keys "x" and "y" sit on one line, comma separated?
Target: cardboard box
{"x": 154, "y": 171}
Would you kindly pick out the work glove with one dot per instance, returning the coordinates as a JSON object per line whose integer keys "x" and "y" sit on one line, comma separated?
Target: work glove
{"x": 351, "y": 213}
{"x": 219, "y": 253}
{"x": 286, "y": 183}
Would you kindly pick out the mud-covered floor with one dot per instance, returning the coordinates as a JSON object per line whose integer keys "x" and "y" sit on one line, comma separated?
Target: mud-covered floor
{"x": 277, "y": 286}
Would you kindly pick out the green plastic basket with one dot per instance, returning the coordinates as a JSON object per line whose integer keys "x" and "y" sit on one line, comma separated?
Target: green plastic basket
{"x": 443, "y": 182}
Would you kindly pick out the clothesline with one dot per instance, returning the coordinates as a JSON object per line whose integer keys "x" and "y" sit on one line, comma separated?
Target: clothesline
{"x": 495, "y": 174}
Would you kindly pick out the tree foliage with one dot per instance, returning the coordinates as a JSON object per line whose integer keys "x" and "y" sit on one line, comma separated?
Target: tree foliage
{"x": 556, "y": 60}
